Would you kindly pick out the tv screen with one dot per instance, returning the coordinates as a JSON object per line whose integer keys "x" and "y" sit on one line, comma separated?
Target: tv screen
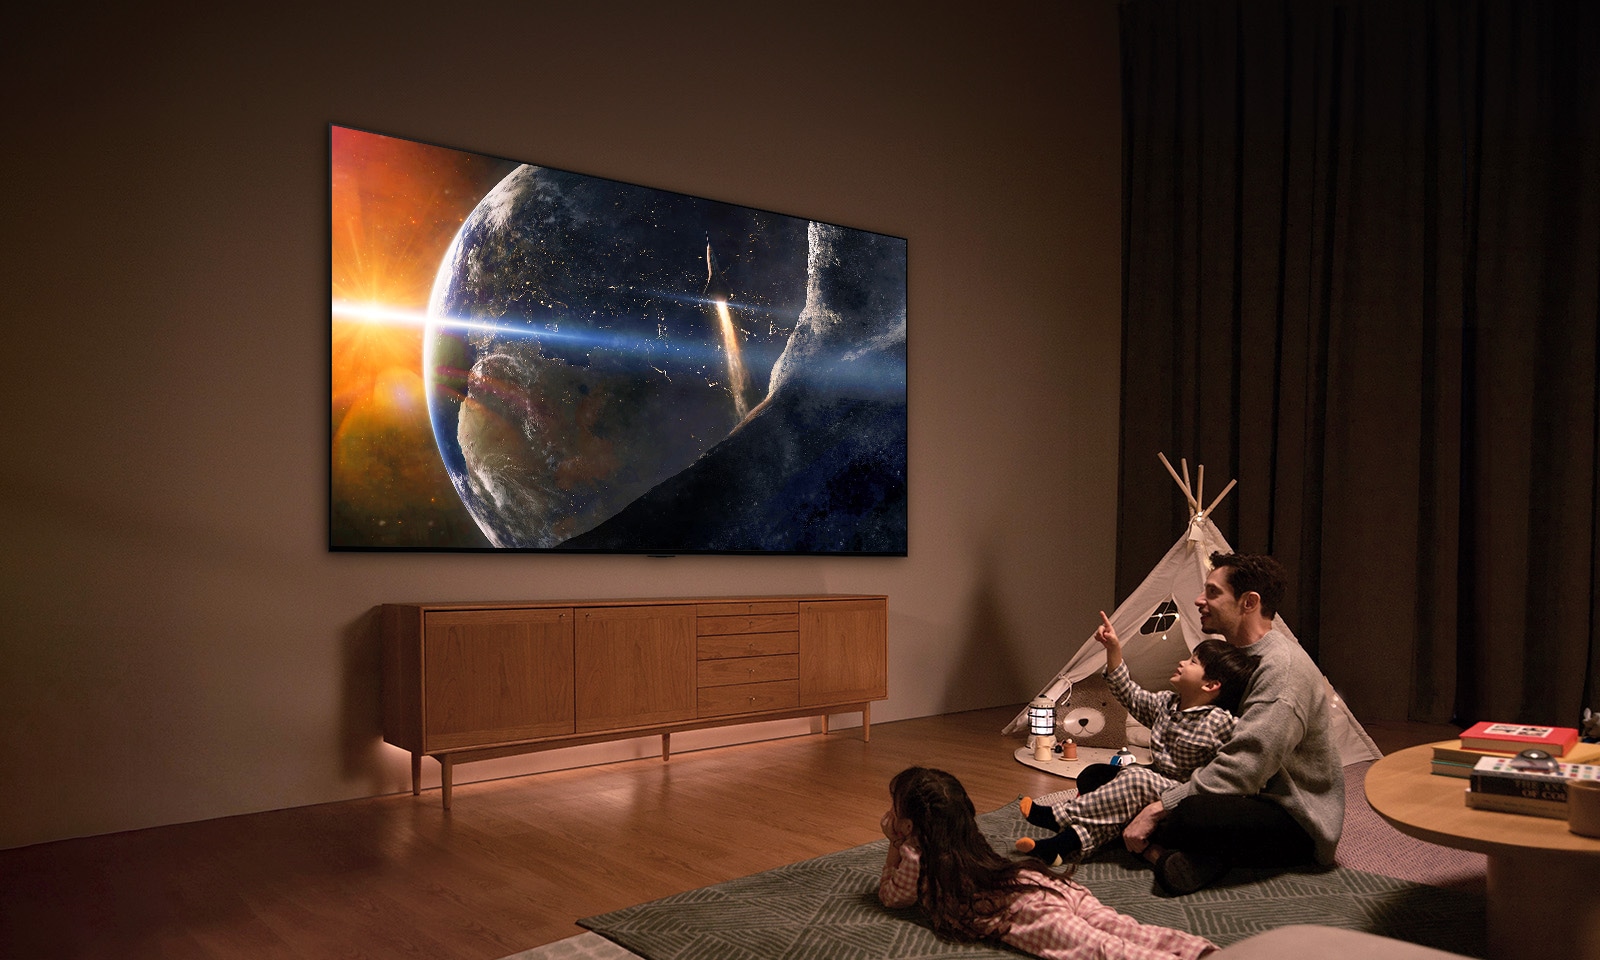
{"x": 530, "y": 359}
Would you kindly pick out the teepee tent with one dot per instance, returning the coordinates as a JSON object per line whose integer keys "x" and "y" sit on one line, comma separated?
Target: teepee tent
{"x": 1158, "y": 624}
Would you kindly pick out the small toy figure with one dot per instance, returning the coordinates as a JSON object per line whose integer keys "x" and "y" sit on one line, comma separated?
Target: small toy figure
{"x": 1068, "y": 748}
{"x": 1589, "y": 726}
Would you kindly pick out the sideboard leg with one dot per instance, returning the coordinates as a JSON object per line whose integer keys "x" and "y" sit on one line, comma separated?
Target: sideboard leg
{"x": 445, "y": 765}
{"x": 666, "y": 747}
{"x": 866, "y": 723}
{"x": 824, "y": 724}
{"x": 416, "y": 774}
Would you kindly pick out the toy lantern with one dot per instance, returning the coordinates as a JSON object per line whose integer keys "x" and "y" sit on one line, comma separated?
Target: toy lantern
{"x": 1042, "y": 726}
{"x": 1042, "y": 717}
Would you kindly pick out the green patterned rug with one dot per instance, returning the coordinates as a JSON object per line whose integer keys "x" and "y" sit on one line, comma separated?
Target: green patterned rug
{"x": 827, "y": 909}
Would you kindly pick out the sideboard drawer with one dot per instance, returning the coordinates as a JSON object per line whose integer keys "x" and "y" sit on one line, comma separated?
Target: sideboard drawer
{"x": 748, "y": 645}
{"x": 741, "y": 608}
{"x": 749, "y": 698}
{"x": 720, "y": 673}
{"x": 751, "y": 623}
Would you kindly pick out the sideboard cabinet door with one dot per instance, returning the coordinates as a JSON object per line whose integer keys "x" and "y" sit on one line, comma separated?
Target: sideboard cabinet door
{"x": 635, "y": 666}
{"x": 844, "y": 651}
{"x": 496, "y": 676}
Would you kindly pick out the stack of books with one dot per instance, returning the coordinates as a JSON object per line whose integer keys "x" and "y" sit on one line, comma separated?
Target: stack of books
{"x": 1456, "y": 758}
{"x": 1498, "y": 784}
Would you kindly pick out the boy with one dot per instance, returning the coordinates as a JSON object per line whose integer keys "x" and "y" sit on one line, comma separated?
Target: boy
{"x": 1187, "y": 727}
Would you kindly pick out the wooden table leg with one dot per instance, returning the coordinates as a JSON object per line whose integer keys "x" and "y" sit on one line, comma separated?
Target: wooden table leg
{"x": 866, "y": 723}
{"x": 445, "y": 765}
{"x": 416, "y": 774}
{"x": 666, "y": 747}
{"x": 824, "y": 724}
{"x": 1542, "y": 904}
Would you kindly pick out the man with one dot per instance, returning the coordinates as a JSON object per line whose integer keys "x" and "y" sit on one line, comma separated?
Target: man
{"x": 1274, "y": 793}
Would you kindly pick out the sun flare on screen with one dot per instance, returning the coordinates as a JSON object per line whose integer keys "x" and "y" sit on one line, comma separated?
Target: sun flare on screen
{"x": 395, "y": 205}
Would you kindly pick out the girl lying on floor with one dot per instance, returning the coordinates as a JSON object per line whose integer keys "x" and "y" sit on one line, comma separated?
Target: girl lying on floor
{"x": 939, "y": 859}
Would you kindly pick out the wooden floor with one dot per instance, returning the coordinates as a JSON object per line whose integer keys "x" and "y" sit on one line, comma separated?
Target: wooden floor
{"x": 511, "y": 867}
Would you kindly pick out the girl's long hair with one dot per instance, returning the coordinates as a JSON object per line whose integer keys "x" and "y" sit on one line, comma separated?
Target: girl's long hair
{"x": 965, "y": 886}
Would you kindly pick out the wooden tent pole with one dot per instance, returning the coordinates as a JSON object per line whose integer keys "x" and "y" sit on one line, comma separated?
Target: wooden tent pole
{"x": 1224, "y": 493}
{"x": 1182, "y": 484}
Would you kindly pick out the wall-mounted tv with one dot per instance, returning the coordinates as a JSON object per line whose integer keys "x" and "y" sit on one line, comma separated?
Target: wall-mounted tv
{"x": 529, "y": 359}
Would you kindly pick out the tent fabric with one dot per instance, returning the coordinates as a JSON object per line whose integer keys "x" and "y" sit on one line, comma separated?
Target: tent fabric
{"x": 1179, "y": 577}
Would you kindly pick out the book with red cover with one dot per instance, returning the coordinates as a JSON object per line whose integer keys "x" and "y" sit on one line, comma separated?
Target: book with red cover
{"x": 1512, "y": 737}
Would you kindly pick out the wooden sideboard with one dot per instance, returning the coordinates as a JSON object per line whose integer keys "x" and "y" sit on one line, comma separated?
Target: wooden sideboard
{"x": 475, "y": 681}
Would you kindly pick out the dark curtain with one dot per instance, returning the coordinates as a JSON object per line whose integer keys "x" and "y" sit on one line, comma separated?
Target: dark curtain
{"x": 1362, "y": 276}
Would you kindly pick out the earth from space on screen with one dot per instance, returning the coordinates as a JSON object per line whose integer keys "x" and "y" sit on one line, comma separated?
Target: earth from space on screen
{"x": 617, "y": 368}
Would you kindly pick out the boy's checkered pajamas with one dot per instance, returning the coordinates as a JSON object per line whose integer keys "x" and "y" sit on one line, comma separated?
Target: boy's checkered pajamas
{"x": 1180, "y": 742}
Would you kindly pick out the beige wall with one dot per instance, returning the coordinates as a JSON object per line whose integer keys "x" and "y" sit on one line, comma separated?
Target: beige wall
{"x": 179, "y": 644}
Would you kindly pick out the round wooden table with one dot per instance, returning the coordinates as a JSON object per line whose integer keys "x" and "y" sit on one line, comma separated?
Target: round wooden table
{"x": 1543, "y": 881}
